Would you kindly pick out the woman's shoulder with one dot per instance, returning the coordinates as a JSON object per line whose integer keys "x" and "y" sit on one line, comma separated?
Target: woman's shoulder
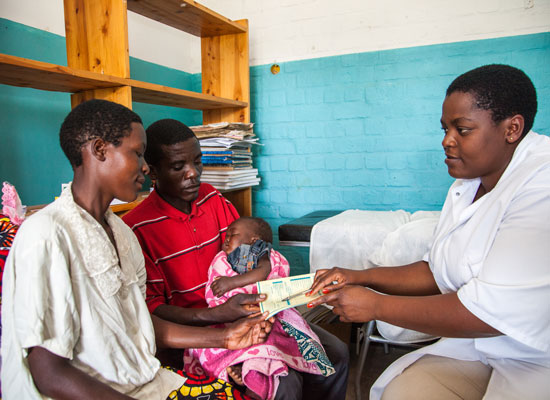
{"x": 44, "y": 222}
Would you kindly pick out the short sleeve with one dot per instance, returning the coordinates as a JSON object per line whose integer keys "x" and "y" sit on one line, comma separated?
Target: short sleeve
{"x": 44, "y": 303}
{"x": 137, "y": 259}
{"x": 512, "y": 291}
{"x": 156, "y": 289}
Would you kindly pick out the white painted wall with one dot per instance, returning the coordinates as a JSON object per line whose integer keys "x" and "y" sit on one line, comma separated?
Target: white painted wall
{"x": 287, "y": 30}
{"x": 148, "y": 40}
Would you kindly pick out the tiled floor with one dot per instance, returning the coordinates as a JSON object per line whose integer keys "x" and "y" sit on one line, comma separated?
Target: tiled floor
{"x": 376, "y": 363}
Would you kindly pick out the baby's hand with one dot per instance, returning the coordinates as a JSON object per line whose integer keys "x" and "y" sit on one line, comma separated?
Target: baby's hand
{"x": 222, "y": 285}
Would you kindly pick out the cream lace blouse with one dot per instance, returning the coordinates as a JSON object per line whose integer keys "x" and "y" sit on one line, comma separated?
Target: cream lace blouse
{"x": 68, "y": 290}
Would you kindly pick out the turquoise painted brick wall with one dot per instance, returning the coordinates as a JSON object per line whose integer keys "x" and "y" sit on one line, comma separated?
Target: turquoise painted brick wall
{"x": 30, "y": 119}
{"x": 362, "y": 131}
{"x": 353, "y": 131}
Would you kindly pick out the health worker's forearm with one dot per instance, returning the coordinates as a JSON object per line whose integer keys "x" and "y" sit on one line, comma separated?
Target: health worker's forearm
{"x": 415, "y": 279}
{"x": 439, "y": 315}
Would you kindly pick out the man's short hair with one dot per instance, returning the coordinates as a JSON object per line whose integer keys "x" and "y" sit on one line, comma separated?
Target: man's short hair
{"x": 94, "y": 119}
{"x": 503, "y": 90}
{"x": 164, "y": 132}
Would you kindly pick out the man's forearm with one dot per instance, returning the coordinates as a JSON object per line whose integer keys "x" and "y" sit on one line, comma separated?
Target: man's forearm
{"x": 176, "y": 336}
{"x": 189, "y": 316}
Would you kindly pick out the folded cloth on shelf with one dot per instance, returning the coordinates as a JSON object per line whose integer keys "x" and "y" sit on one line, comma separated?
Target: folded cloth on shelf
{"x": 360, "y": 239}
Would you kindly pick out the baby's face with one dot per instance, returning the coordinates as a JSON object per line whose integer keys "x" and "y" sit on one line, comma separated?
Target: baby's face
{"x": 238, "y": 233}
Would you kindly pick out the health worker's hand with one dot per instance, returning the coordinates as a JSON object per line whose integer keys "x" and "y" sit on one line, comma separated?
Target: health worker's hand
{"x": 352, "y": 303}
{"x": 328, "y": 280}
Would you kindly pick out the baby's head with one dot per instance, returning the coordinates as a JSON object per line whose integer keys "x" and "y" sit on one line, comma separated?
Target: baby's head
{"x": 246, "y": 230}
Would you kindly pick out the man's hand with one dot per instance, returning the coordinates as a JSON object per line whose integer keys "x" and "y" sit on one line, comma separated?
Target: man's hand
{"x": 240, "y": 305}
{"x": 222, "y": 285}
{"x": 351, "y": 303}
{"x": 248, "y": 331}
{"x": 329, "y": 280}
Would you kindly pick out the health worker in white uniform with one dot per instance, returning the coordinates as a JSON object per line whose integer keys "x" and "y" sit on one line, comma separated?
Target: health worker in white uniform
{"x": 484, "y": 287}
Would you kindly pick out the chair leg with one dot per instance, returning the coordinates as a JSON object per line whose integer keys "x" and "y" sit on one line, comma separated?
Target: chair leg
{"x": 367, "y": 328}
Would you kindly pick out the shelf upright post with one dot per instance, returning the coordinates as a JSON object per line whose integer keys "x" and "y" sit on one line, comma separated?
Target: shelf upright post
{"x": 97, "y": 40}
{"x": 226, "y": 73}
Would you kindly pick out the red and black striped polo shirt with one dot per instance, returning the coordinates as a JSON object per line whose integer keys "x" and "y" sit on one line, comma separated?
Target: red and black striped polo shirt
{"x": 178, "y": 247}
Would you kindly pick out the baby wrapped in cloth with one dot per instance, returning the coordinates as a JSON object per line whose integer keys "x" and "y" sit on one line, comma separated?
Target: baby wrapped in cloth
{"x": 291, "y": 343}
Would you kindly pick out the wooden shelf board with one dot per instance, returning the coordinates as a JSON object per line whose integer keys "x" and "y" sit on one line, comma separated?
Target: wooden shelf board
{"x": 186, "y": 15}
{"x": 125, "y": 207}
{"x": 17, "y": 71}
{"x": 116, "y": 208}
{"x": 144, "y": 92}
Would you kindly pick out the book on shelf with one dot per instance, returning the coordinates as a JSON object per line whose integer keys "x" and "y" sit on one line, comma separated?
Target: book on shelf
{"x": 209, "y": 151}
{"x": 227, "y": 167}
{"x": 235, "y": 185}
{"x": 228, "y": 143}
{"x": 208, "y": 172}
{"x": 206, "y": 158}
{"x": 225, "y": 178}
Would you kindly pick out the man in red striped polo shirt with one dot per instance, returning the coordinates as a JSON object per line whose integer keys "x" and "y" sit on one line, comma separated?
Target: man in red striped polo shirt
{"x": 181, "y": 226}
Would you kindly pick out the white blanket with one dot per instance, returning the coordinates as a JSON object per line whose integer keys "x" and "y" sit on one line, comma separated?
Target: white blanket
{"x": 350, "y": 238}
{"x": 359, "y": 239}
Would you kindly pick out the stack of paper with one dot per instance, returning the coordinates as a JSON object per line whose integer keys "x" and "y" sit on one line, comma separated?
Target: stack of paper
{"x": 234, "y": 130}
{"x": 226, "y": 154}
{"x": 231, "y": 179}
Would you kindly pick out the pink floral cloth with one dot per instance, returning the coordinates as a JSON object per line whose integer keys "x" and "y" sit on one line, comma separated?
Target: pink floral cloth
{"x": 11, "y": 204}
{"x": 263, "y": 364}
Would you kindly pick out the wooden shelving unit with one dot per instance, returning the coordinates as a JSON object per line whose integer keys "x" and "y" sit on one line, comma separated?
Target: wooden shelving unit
{"x": 187, "y": 16}
{"x": 17, "y": 71}
{"x": 99, "y": 65}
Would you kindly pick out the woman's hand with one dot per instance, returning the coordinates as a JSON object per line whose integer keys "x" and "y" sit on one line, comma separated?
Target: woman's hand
{"x": 248, "y": 331}
{"x": 55, "y": 377}
{"x": 329, "y": 280}
{"x": 352, "y": 303}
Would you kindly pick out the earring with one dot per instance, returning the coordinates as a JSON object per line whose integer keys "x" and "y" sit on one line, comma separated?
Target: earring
{"x": 510, "y": 140}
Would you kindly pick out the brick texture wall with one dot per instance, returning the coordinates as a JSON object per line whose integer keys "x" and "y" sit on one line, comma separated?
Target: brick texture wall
{"x": 362, "y": 131}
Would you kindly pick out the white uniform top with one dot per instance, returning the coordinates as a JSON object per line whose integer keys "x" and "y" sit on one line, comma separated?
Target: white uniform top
{"x": 495, "y": 253}
{"x": 65, "y": 291}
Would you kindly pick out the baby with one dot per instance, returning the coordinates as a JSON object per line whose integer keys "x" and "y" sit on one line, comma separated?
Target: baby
{"x": 248, "y": 247}
{"x": 246, "y": 258}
